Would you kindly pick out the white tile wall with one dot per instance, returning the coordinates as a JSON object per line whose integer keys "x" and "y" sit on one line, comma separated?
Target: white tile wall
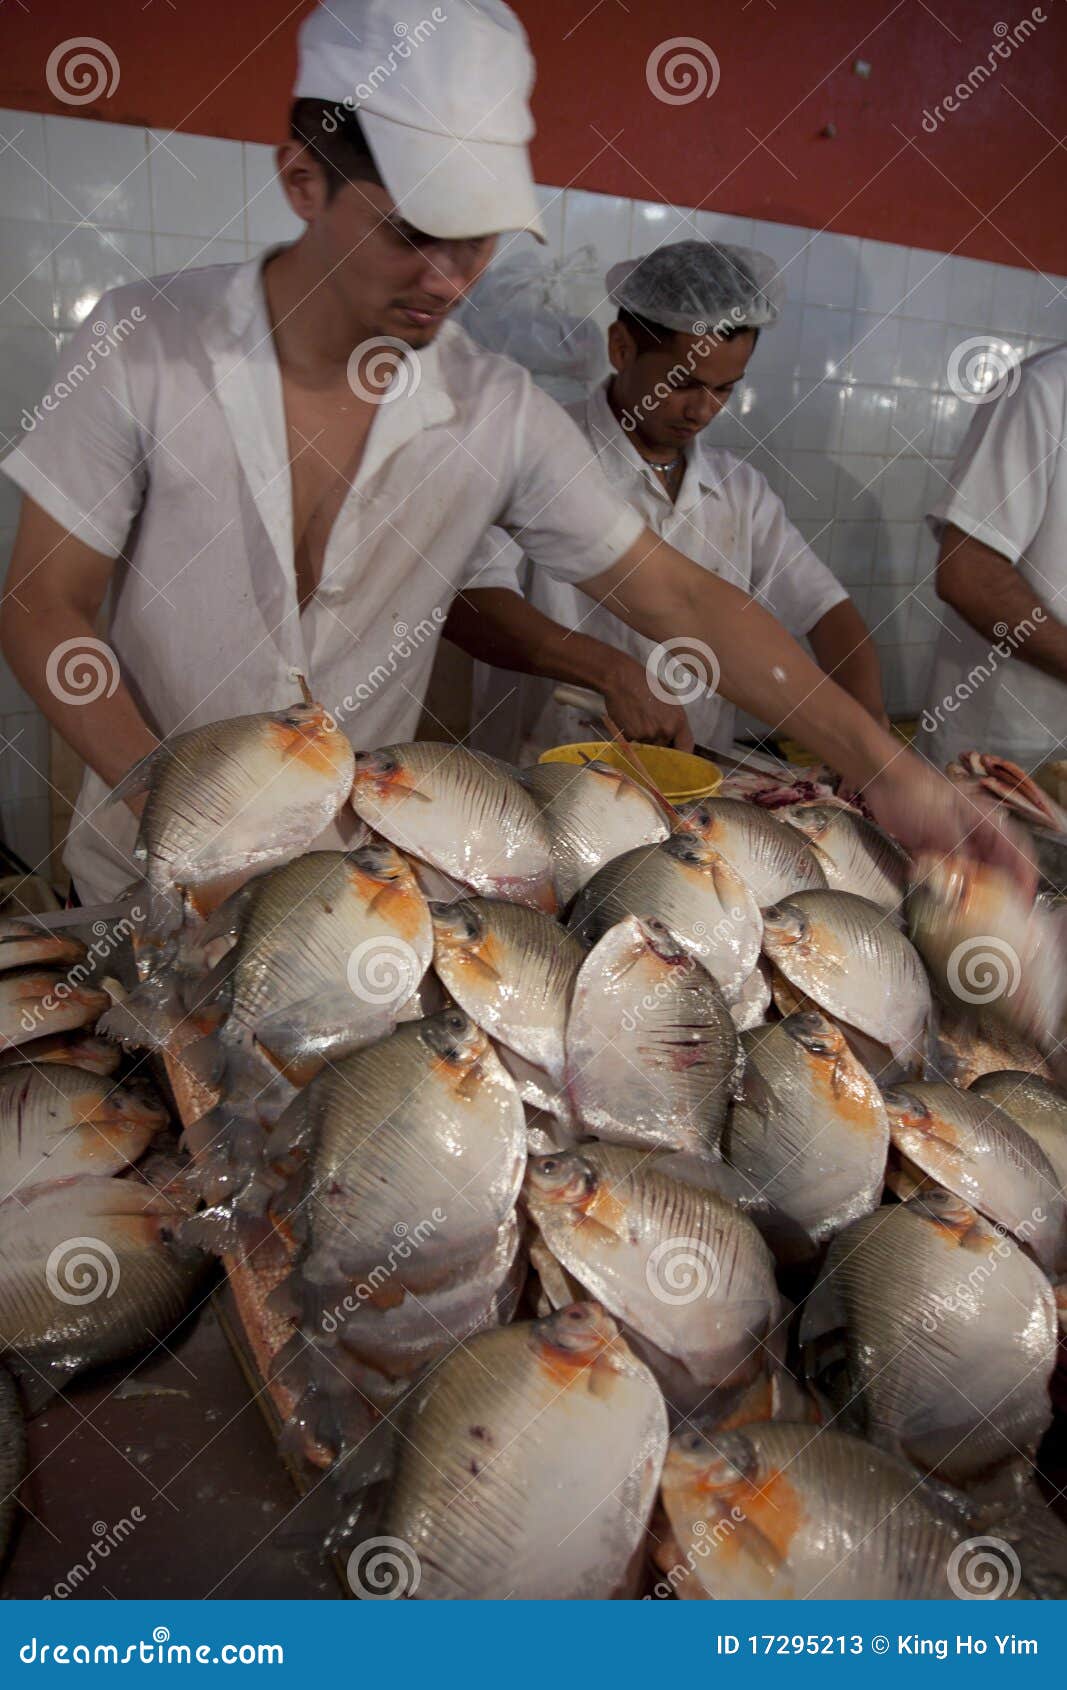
{"x": 846, "y": 407}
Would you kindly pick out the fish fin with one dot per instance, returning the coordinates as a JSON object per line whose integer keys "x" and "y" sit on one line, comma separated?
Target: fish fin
{"x": 146, "y": 1017}
{"x": 139, "y": 778}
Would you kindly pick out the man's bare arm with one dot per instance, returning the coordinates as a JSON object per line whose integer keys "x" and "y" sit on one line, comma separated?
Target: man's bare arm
{"x": 55, "y": 587}
{"x": 762, "y": 668}
{"x": 845, "y": 651}
{"x": 499, "y": 626}
{"x": 989, "y": 592}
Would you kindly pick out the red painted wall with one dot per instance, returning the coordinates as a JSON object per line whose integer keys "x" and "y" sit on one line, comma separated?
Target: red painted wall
{"x": 989, "y": 181}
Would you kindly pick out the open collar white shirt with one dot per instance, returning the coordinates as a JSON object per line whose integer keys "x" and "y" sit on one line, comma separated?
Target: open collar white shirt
{"x": 163, "y": 445}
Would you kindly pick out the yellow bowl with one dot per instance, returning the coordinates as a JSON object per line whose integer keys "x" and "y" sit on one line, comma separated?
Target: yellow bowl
{"x": 679, "y": 775}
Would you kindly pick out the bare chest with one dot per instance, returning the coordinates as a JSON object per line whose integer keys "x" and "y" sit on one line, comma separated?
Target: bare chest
{"x": 327, "y": 434}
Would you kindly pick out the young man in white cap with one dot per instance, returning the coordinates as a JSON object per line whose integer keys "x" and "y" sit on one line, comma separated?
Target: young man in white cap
{"x": 258, "y": 501}
{"x": 690, "y": 315}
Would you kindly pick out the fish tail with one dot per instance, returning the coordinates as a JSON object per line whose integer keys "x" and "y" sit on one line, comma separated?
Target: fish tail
{"x": 332, "y": 1416}
{"x": 146, "y": 1018}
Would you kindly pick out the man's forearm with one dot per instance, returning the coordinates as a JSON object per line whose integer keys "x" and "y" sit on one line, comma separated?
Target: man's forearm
{"x": 987, "y": 590}
{"x": 498, "y": 626}
{"x": 744, "y": 653}
{"x": 109, "y": 734}
{"x": 845, "y": 651}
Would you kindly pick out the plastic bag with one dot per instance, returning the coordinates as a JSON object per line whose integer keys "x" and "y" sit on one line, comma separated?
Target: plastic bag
{"x": 536, "y": 311}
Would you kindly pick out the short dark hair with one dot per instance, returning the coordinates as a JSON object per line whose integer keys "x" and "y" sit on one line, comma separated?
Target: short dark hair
{"x": 332, "y": 131}
{"x": 650, "y": 337}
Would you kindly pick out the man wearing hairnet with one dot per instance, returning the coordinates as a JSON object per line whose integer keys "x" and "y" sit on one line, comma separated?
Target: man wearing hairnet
{"x": 690, "y": 315}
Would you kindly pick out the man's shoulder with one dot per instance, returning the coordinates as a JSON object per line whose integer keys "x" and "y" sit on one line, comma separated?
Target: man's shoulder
{"x": 1046, "y": 369}
{"x": 471, "y": 370}
{"x": 167, "y": 303}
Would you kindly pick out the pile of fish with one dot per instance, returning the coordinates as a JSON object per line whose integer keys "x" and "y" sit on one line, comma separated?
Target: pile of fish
{"x": 638, "y": 1238}
{"x": 90, "y": 1194}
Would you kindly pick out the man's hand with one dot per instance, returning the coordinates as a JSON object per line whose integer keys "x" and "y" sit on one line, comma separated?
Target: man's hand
{"x": 926, "y": 812}
{"x": 638, "y": 712}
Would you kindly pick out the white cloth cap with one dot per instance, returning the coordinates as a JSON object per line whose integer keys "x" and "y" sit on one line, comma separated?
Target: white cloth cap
{"x": 442, "y": 96}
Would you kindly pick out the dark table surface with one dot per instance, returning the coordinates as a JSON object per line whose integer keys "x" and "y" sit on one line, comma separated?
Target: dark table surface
{"x": 163, "y": 1479}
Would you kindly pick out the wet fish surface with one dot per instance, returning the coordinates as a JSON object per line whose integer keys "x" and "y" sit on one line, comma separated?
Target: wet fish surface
{"x": 461, "y": 813}
{"x": 56, "y": 1122}
{"x": 652, "y": 1051}
{"x": 809, "y": 1130}
{"x": 592, "y": 814}
{"x": 689, "y": 887}
{"x": 529, "y": 1464}
{"x": 766, "y": 853}
{"x": 945, "y": 1337}
{"x": 854, "y": 853}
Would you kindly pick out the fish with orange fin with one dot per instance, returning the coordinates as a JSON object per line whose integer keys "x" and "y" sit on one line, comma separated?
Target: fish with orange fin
{"x": 800, "y": 1512}
{"x": 327, "y": 951}
{"x": 38, "y": 1002}
{"x": 74, "y": 1050}
{"x": 58, "y": 1121}
{"x": 528, "y": 1464}
{"x": 933, "y": 1334}
{"x": 463, "y": 814}
{"x": 230, "y": 798}
{"x": 1011, "y": 786}
{"x": 809, "y": 1130}
{"x": 396, "y": 1171}
{"x": 23, "y": 942}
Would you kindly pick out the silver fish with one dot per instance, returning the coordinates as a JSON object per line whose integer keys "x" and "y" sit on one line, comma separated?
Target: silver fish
{"x": 854, "y": 853}
{"x": 96, "y": 1056}
{"x": 529, "y": 1465}
{"x": 652, "y": 1051}
{"x": 36, "y": 1002}
{"x": 56, "y": 1122}
{"x": 513, "y": 970}
{"x": 948, "y": 1335}
{"x": 232, "y": 797}
{"x": 779, "y": 1511}
{"x": 767, "y": 855}
{"x": 987, "y": 947}
{"x": 845, "y": 954}
{"x": 689, "y": 887}
{"x": 404, "y": 1162}
{"x": 686, "y": 1273}
{"x": 23, "y": 942}
{"x": 87, "y": 1274}
{"x": 1037, "y": 1106}
{"x": 461, "y": 813}
{"x": 809, "y": 1130}
{"x": 593, "y": 813}
{"x": 966, "y": 1144}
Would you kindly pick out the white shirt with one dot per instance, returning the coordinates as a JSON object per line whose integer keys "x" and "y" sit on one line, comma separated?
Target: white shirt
{"x": 1008, "y": 488}
{"x": 168, "y": 452}
{"x": 726, "y": 518}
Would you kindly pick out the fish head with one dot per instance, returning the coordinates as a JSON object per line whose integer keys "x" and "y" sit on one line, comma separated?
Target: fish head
{"x": 785, "y": 924}
{"x": 563, "y": 1178}
{"x": 310, "y": 734}
{"x": 132, "y": 1107}
{"x": 815, "y": 1034}
{"x": 698, "y": 818}
{"x": 691, "y": 848}
{"x": 383, "y": 775}
{"x": 660, "y": 940}
{"x": 716, "y": 1464}
{"x": 379, "y": 860}
{"x": 460, "y": 925}
{"x": 580, "y": 1332}
{"x": 812, "y": 819}
{"x": 454, "y": 1038}
{"x": 946, "y": 1210}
